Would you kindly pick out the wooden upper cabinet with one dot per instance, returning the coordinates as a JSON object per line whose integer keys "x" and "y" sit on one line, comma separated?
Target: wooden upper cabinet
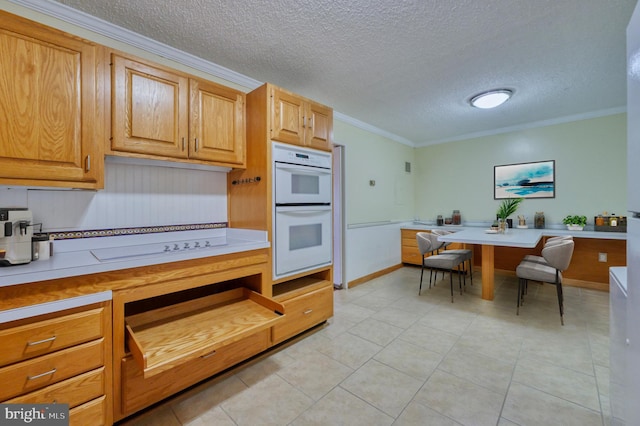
{"x": 299, "y": 121}
{"x": 216, "y": 131}
{"x": 149, "y": 110}
{"x": 159, "y": 112}
{"x": 51, "y": 111}
{"x": 287, "y": 117}
{"x": 319, "y": 126}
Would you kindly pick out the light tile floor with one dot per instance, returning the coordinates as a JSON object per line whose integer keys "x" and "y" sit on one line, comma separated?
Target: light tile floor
{"x": 389, "y": 356}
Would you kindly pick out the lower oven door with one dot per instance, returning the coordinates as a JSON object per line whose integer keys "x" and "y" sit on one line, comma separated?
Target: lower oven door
{"x": 302, "y": 239}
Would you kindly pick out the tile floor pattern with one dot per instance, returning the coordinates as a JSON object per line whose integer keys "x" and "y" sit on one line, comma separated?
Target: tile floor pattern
{"x": 391, "y": 357}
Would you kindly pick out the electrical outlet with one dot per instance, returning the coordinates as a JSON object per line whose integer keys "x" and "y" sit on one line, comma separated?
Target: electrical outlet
{"x": 602, "y": 257}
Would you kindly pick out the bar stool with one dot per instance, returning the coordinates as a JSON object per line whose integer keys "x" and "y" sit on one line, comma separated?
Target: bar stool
{"x": 550, "y": 241}
{"x": 428, "y": 244}
{"x": 467, "y": 254}
{"x": 557, "y": 257}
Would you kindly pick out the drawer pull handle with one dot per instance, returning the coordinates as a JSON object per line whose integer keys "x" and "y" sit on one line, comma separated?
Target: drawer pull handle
{"x": 308, "y": 311}
{"x": 47, "y": 373}
{"x": 50, "y": 339}
{"x": 209, "y": 355}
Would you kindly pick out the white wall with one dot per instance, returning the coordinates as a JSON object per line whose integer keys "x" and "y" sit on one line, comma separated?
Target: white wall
{"x": 369, "y": 156}
{"x": 370, "y": 249}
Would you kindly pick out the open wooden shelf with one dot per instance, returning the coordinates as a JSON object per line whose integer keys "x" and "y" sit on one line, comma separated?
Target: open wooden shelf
{"x": 298, "y": 287}
{"x": 163, "y": 338}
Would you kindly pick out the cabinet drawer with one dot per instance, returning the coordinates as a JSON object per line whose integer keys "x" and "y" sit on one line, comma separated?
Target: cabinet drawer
{"x": 139, "y": 392}
{"x": 48, "y": 369}
{"x": 410, "y": 234}
{"x": 74, "y": 391}
{"x": 92, "y": 413}
{"x": 42, "y": 337}
{"x": 411, "y": 256}
{"x": 303, "y": 312}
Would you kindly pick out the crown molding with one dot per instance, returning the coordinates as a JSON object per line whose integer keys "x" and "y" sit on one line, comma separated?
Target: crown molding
{"x": 535, "y": 124}
{"x": 373, "y": 129}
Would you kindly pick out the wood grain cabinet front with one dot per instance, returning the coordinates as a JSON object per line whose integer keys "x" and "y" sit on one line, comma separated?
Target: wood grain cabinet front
{"x": 51, "y": 102}
{"x": 92, "y": 413}
{"x": 63, "y": 357}
{"x": 46, "y": 336}
{"x": 161, "y": 113}
{"x": 300, "y": 121}
{"x": 410, "y": 252}
{"x": 304, "y": 311}
{"x": 139, "y": 391}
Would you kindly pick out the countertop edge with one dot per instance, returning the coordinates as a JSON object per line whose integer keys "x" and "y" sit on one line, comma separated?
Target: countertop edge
{"x": 51, "y": 307}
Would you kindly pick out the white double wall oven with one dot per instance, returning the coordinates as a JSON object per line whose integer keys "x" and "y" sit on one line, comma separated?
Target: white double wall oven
{"x": 302, "y": 215}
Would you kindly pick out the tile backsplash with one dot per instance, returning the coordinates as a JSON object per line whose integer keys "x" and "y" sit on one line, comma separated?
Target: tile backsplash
{"x": 134, "y": 195}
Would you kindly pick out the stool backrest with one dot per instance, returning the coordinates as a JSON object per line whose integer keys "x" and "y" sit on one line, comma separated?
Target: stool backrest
{"x": 556, "y": 240}
{"x": 440, "y": 232}
{"x": 559, "y": 255}
{"x": 424, "y": 243}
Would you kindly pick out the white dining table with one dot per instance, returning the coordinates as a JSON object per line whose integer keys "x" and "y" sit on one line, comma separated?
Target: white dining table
{"x": 524, "y": 238}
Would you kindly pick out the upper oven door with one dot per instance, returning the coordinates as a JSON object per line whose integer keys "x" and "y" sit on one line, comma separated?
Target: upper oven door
{"x": 296, "y": 184}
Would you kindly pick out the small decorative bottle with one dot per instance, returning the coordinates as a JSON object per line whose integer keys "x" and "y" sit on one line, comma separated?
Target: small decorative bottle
{"x": 538, "y": 220}
{"x": 456, "y": 218}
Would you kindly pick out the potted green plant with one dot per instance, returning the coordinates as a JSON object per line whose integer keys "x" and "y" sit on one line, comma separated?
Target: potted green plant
{"x": 575, "y": 222}
{"x": 507, "y": 207}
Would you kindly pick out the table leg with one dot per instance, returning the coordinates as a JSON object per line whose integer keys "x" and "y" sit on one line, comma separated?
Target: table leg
{"x": 487, "y": 271}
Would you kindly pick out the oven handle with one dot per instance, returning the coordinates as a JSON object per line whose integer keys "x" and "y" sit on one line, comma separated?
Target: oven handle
{"x": 303, "y": 169}
{"x": 304, "y": 212}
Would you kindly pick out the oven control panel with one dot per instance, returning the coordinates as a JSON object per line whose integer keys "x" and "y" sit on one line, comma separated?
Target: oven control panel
{"x": 303, "y": 156}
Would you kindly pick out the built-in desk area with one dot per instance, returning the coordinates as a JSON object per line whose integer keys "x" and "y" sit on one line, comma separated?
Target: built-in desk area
{"x": 594, "y": 252}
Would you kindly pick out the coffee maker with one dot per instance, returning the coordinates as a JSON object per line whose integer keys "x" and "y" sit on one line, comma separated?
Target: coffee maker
{"x": 16, "y": 231}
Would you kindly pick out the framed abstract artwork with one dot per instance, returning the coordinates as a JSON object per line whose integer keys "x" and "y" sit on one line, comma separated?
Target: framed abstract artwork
{"x": 526, "y": 180}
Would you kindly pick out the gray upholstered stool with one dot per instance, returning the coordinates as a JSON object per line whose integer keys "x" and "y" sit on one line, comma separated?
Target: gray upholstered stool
{"x": 557, "y": 257}
{"x": 428, "y": 244}
{"x": 467, "y": 254}
{"x": 550, "y": 241}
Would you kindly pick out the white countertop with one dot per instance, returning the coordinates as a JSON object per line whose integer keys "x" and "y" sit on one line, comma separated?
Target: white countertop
{"x": 512, "y": 238}
{"x": 74, "y": 257}
{"x": 547, "y": 232}
{"x": 619, "y": 275}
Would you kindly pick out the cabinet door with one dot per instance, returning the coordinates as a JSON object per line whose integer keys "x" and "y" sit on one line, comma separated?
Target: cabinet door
{"x": 150, "y": 109}
{"x": 49, "y": 109}
{"x": 319, "y": 126}
{"x": 287, "y": 117}
{"x": 216, "y": 131}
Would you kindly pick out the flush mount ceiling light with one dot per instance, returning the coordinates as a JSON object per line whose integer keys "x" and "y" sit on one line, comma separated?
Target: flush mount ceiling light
{"x": 491, "y": 99}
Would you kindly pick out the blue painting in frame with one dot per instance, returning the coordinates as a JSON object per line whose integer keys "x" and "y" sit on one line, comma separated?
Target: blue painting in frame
{"x": 526, "y": 180}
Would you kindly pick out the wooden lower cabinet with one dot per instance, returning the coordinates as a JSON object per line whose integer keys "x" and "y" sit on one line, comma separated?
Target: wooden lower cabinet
{"x": 46, "y": 336}
{"x": 409, "y": 246}
{"x": 91, "y": 413}
{"x": 139, "y": 392}
{"x": 74, "y": 391}
{"x": 303, "y": 312}
{"x": 62, "y": 358}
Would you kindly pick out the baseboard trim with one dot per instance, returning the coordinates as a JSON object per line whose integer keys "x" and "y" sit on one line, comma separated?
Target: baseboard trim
{"x": 376, "y": 274}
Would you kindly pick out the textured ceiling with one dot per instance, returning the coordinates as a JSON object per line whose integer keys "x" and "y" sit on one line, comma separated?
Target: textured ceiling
{"x": 407, "y": 66}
